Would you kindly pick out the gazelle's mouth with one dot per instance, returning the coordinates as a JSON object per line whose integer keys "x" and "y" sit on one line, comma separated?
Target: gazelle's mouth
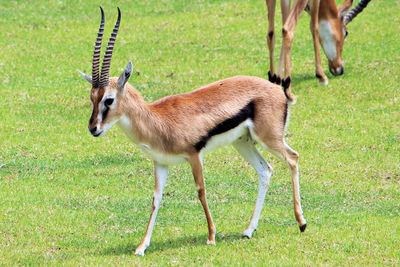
{"x": 97, "y": 134}
{"x": 338, "y": 71}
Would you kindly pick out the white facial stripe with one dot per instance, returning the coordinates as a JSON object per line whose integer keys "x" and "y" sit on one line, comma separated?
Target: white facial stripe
{"x": 107, "y": 126}
{"x": 327, "y": 40}
{"x": 110, "y": 95}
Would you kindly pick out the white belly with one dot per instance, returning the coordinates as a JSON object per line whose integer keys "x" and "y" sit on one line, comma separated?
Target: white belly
{"x": 228, "y": 137}
{"x": 162, "y": 158}
{"x": 213, "y": 143}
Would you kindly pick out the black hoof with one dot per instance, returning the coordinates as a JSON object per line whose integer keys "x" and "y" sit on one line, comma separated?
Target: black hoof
{"x": 303, "y": 227}
{"x": 278, "y": 80}
{"x": 319, "y": 77}
{"x": 271, "y": 77}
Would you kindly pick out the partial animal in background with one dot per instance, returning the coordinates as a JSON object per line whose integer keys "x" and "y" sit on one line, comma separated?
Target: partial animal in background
{"x": 328, "y": 28}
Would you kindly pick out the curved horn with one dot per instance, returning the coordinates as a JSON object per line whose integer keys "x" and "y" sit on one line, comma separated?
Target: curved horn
{"x": 355, "y": 11}
{"x": 105, "y": 68}
{"x": 96, "y": 53}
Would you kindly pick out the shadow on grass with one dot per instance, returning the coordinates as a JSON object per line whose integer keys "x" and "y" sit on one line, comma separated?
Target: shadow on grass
{"x": 184, "y": 241}
{"x": 300, "y": 78}
{"x": 35, "y": 166}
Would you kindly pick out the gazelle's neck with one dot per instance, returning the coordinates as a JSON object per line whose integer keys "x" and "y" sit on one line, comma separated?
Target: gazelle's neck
{"x": 138, "y": 121}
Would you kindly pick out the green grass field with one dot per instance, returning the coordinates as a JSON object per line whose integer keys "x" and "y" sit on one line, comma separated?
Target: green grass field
{"x": 67, "y": 198}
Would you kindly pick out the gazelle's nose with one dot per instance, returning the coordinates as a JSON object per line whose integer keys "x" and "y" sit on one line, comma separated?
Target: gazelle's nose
{"x": 93, "y": 130}
{"x": 337, "y": 71}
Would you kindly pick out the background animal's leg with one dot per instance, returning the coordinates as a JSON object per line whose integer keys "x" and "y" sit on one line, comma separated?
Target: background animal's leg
{"x": 197, "y": 170}
{"x": 319, "y": 72}
{"x": 249, "y": 152}
{"x": 285, "y": 8}
{"x": 160, "y": 173}
{"x": 271, "y": 39}
{"x": 288, "y": 34}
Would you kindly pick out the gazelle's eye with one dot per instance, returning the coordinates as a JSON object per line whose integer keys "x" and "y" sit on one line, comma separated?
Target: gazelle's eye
{"x": 108, "y": 102}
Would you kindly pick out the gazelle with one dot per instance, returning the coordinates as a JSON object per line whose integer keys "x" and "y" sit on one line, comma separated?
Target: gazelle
{"x": 241, "y": 110}
{"x": 328, "y": 27}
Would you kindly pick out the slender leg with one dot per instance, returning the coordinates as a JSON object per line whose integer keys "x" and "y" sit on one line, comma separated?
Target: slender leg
{"x": 292, "y": 158}
{"x": 271, "y": 38}
{"x": 161, "y": 173}
{"x": 197, "y": 170}
{"x": 279, "y": 148}
{"x": 285, "y": 8}
{"x": 319, "y": 72}
{"x": 249, "y": 152}
{"x": 288, "y": 34}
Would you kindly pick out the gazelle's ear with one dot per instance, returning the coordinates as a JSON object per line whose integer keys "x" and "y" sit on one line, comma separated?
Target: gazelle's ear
{"x": 85, "y": 76}
{"x": 123, "y": 79}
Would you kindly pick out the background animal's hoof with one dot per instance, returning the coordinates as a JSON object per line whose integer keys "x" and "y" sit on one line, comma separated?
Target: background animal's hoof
{"x": 323, "y": 80}
{"x": 272, "y": 77}
{"x": 278, "y": 80}
{"x": 303, "y": 227}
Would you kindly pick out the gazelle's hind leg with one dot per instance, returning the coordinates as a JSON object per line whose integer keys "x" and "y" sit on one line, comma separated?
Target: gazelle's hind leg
{"x": 197, "y": 170}
{"x": 283, "y": 151}
{"x": 292, "y": 158}
{"x": 250, "y": 153}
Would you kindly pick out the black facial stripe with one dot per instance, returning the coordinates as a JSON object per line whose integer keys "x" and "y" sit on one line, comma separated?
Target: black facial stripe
{"x": 245, "y": 113}
{"x": 107, "y": 103}
{"x": 94, "y": 115}
{"x": 91, "y": 118}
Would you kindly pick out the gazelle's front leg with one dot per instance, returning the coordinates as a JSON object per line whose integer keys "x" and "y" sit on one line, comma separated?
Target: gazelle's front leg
{"x": 314, "y": 25}
{"x": 197, "y": 170}
{"x": 250, "y": 153}
{"x": 160, "y": 173}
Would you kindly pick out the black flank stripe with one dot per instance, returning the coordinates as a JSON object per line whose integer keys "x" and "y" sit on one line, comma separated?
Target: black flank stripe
{"x": 285, "y": 113}
{"x": 245, "y": 113}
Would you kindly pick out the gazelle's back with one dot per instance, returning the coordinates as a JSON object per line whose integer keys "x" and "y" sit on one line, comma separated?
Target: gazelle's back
{"x": 220, "y": 107}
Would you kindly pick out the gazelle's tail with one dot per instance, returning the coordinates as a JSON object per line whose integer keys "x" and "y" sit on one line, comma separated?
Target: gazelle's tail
{"x": 288, "y": 92}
